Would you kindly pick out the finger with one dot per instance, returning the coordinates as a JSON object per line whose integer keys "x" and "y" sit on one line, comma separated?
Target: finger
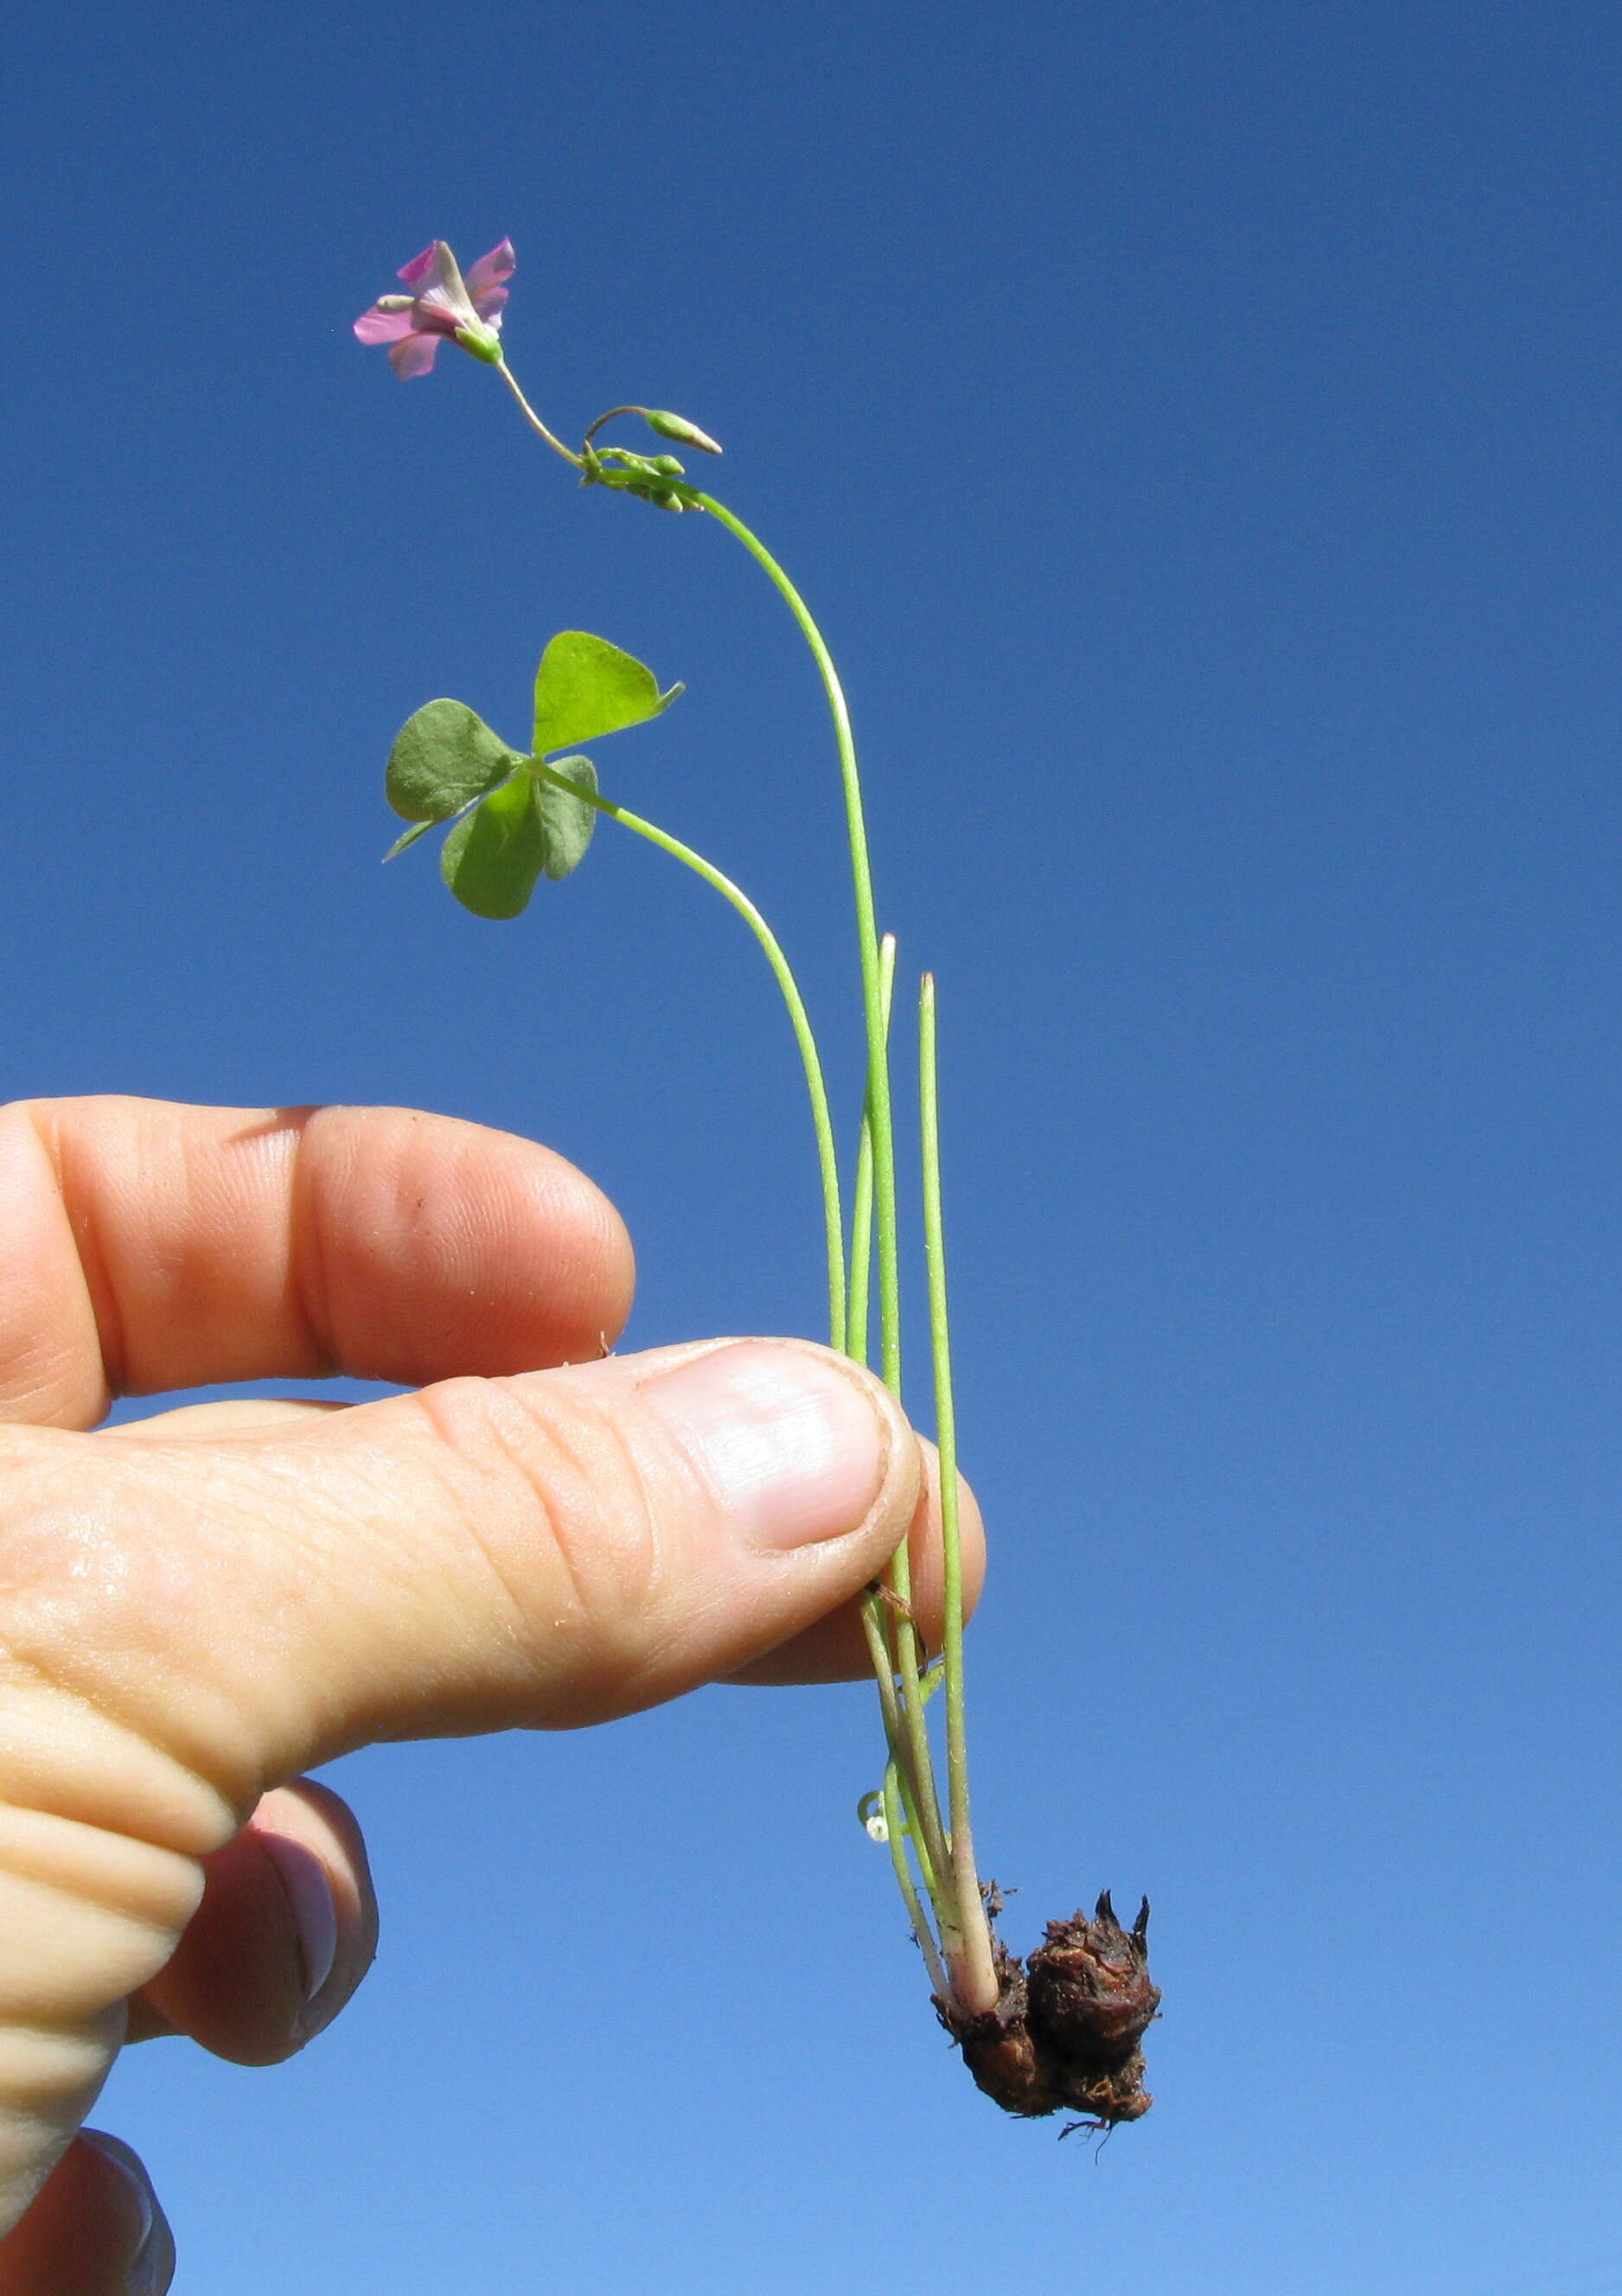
{"x": 144, "y": 1246}
{"x": 244, "y": 1415}
{"x": 835, "y": 1649}
{"x": 94, "y": 2229}
{"x": 286, "y": 1929}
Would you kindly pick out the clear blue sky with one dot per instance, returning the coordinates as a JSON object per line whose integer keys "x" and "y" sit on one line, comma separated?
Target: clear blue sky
{"x": 1199, "y": 426}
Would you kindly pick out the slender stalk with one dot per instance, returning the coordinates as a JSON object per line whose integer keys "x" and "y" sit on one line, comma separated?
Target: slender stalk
{"x": 862, "y": 1197}
{"x": 938, "y": 1884}
{"x": 827, "y": 1159}
{"x": 884, "y": 1625}
{"x": 901, "y": 1749}
{"x": 900, "y": 1637}
{"x": 862, "y": 875}
{"x": 894, "y": 1827}
{"x": 609, "y": 417}
{"x": 883, "y": 1672}
{"x": 881, "y": 1120}
{"x": 894, "y": 1642}
{"x": 903, "y": 1714}
{"x": 919, "y": 1765}
{"x": 534, "y": 420}
{"x": 975, "y": 1976}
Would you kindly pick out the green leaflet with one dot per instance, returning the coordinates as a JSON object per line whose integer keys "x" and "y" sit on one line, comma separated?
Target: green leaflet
{"x": 417, "y": 829}
{"x": 490, "y": 861}
{"x": 566, "y": 822}
{"x": 443, "y": 758}
{"x": 585, "y": 688}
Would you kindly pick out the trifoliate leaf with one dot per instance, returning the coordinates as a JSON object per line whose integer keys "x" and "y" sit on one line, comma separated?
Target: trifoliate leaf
{"x": 585, "y": 688}
{"x": 490, "y": 861}
{"x": 566, "y": 822}
{"x": 444, "y": 758}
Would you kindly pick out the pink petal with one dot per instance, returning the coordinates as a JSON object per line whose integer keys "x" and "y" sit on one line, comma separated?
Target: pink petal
{"x": 420, "y": 265}
{"x": 429, "y": 317}
{"x": 485, "y": 277}
{"x": 445, "y": 291}
{"x": 375, "y": 326}
{"x": 414, "y": 355}
{"x": 500, "y": 263}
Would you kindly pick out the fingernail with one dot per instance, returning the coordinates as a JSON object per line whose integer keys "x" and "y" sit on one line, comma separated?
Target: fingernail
{"x": 793, "y": 1448}
{"x": 151, "y": 2264}
{"x": 310, "y": 1894}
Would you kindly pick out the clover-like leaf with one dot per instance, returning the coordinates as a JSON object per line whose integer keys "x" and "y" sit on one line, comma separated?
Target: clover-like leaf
{"x": 566, "y": 822}
{"x": 490, "y": 861}
{"x": 585, "y": 688}
{"x": 443, "y": 758}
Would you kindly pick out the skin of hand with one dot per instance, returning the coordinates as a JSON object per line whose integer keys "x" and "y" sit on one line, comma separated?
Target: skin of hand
{"x": 197, "y": 1607}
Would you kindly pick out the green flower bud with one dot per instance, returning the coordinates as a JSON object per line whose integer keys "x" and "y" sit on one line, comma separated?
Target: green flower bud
{"x": 677, "y": 427}
{"x": 667, "y": 466}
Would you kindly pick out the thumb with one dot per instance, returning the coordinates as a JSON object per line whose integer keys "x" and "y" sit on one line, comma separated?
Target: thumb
{"x": 187, "y": 1621}
{"x": 541, "y": 1551}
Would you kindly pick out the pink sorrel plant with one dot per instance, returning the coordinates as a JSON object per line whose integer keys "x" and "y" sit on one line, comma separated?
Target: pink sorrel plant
{"x": 1061, "y": 2031}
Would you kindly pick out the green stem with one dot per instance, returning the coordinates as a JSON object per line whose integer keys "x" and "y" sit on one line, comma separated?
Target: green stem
{"x": 872, "y": 1611}
{"x": 905, "y": 1726}
{"x": 872, "y": 1626}
{"x": 894, "y": 1827}
{"x": 609, "y": 417}
{"x": 872, "y": 992}
{"x": 827, "y": 1157}
{"x": 861, "y": 1198}
{"x": 534, "y": 420}
{"x": 880, "y": 1118}
{"x": 974, "y": 1974}
{"x": 886, "y": 1627}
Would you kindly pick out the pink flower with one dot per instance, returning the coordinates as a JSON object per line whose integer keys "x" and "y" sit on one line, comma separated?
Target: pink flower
{"x": 442, "y": 302}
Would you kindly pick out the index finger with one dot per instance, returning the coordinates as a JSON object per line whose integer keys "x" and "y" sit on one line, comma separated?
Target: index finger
{"x": 144, "y": 1245}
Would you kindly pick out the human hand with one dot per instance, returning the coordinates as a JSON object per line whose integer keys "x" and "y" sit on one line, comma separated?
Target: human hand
{"x": 197, "y": 1607}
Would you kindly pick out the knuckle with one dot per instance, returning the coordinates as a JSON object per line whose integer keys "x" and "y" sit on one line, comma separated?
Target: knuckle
{"x": 555, "y": 1499}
